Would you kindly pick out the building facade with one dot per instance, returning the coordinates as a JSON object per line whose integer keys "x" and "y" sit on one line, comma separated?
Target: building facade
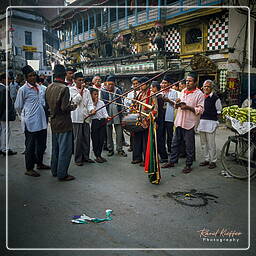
{"x": 29, "y": 41}
{"x": 120, "y": 37}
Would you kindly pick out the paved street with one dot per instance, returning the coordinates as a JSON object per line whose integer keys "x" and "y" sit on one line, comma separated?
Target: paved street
{"x": 144, "y": 216}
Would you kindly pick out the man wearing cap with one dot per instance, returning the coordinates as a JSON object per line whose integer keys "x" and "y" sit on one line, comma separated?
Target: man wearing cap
{"x": 140, "y": 138}
{"x": 169, "y": 96}
{"x": 30, "y": 104}
{"x": 128, "y": 102}
{"x": 190, "y": 106}
{"x": 81, "y": 127}
{"x": 69, "y": 76}
{"x": 112, "y": 110}
{"x": 5, "y": 120}
{"x": 58, "y": 100}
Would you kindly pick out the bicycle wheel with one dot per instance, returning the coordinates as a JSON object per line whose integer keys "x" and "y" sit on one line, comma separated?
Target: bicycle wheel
{"x": 235, "y": 156}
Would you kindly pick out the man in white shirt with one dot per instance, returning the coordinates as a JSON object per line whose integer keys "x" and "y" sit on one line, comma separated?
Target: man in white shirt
{"x": 208, "y": 125}
{"x": 30, "y": 103}
{"x": 169, "y": 97}
{"x": 81, "y": 127}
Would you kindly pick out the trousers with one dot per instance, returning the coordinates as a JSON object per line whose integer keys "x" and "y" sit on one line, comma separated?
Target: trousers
{"x": 61, "y": 153}
{"x": 139, "y": 145}
{"x": 81, "y": 134}
{"x": 119, "y": 140}
{"x": 98, "y": 135}
{"x": 34, "y": 143}
{"x": 3, "y": 132}
{"x": 209, "y": 146}
{"x": 189, "y": 137}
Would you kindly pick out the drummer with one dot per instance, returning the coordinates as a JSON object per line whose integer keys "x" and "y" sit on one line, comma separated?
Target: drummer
{"x": 140, "y": 138}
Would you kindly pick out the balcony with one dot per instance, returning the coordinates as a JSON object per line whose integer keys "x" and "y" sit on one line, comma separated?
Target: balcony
{"x": 150, "y": 14}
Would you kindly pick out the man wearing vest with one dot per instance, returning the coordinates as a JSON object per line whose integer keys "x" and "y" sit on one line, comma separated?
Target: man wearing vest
{"x": 190, "y": 106}
{"x": 208, "y": 125}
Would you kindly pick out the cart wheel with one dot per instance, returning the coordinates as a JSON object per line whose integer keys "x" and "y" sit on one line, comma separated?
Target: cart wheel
{"x": 235, "y": 157}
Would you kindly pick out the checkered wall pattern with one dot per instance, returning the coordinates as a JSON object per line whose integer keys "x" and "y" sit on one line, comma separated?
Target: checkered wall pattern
{"x": 172, "y": 40}
{"x": 223, "y": 80}
{"x": 218, "y": 33}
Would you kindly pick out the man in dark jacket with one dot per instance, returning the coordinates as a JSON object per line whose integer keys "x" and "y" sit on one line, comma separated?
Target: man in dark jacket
{"x": 4, "y": 121}
{"x": 58, "y": 100}
{"x": 108, "y": 95}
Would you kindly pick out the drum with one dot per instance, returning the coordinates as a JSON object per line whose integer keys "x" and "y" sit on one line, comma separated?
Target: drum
{"x": 134, "y": 123}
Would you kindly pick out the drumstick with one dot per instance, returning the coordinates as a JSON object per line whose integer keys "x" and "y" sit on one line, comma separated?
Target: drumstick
{"x": 142, "y": 103}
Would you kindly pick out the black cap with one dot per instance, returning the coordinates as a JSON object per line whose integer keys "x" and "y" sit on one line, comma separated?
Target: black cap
{"x": 71, "y": 69}
{"x": 27, "y": 69}
{"x": 156, "y": 84}
{"x": 168, "y": 79}
{"x": 193, "y": 74}
{"x": 78, "y": 74}
{"x": 87, "y": 79}
{"x": 111, "y": 79}
{"x": 143, "y": 79}
{"x": 59, "y": 70}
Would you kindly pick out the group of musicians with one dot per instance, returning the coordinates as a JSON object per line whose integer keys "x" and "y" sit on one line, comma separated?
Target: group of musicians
{"x": 81, "y": 112}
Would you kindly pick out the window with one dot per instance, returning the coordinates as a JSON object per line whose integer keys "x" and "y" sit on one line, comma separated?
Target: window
{"x": 98, "y": 19}
{"x": 29, "y": 55}
{"x": 86, "y": 23}
{"x": 80, "y": 27}
{"x": 121, "y": 13}
{"x": 91, "y": 21}
{"x": 28, "y": 38}
{"x": 193, "y": 36}
{"x": 112, "y": 14}
{"x": 141, "y": 3}
{"x": 130, "y": 7}
{"x": 171, "y": 2}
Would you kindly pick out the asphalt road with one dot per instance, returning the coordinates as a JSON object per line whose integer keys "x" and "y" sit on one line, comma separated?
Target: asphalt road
{"x": 144, "y": 216}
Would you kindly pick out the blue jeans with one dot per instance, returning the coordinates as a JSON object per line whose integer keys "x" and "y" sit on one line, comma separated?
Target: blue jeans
{"x": 61, "y": 153}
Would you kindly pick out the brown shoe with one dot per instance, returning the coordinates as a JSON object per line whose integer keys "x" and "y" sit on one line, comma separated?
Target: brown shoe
{"x": 135, "y": 161}
{"x": 103, "y": 159}
{"x": 32, "y": 173}
{"x": 168, "y": 165}
{"x": 99, "y": 160}
{"x": 212, "y": 165}
{"x": 187, "y": 169}
{"x": 79, "y": 164}
{"x": 43, "y": 167}
{"x": 204, "y": 163}
{"x": 67, "y": 178}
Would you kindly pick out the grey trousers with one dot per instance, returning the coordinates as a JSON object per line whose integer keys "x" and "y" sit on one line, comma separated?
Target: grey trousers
{"x": 61, "y": 153}
{"x": 81, "y": 142}
{"x": 189, "y": 137}
{"x": 119, "y": 141}
{"x": 3, "y": 132}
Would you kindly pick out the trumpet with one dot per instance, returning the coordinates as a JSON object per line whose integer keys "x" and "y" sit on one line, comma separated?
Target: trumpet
{"x": 134, "y": 100}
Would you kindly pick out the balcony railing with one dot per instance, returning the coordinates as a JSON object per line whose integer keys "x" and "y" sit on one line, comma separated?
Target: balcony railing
{"x": 150, "y": 14}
